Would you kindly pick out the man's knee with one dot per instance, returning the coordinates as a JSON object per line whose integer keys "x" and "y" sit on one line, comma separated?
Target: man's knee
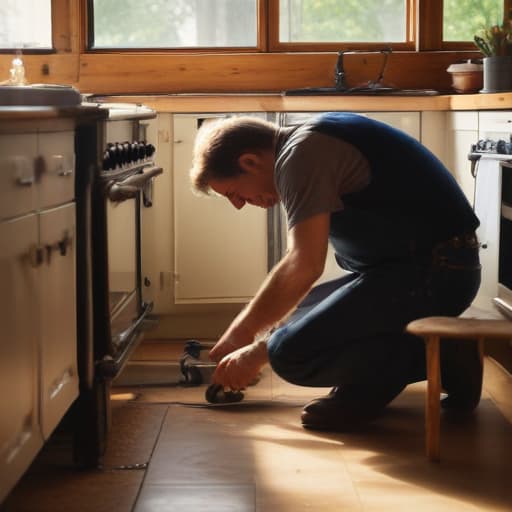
{"x": 285, "y": 361}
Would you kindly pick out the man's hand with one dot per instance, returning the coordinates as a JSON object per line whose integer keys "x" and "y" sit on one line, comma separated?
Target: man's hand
{"x": 239, "y": 368}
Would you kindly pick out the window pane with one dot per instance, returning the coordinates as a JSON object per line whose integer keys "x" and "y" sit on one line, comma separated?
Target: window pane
{"x": 25, "y": 24}
{"x": 347, "y": 20}
{"x": 174, "y": 23}
{"x": 462, "y": 19}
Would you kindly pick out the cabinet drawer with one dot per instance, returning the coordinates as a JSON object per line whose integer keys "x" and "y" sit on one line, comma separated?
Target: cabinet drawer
{"x": 56, "y": 151}
{"x": 494, "y": 123}
{"x": 17, "y": 174}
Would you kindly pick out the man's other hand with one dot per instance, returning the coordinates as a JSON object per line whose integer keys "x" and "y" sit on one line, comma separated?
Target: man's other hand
{"x": 238, "y": 369}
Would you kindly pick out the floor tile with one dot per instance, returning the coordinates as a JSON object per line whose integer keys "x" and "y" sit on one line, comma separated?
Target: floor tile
{"x": 254, "y": 456}
{"x": 197, "y": 498}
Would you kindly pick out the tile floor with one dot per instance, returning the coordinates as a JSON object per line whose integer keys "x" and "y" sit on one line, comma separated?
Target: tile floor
{"x": 254, "y": 456}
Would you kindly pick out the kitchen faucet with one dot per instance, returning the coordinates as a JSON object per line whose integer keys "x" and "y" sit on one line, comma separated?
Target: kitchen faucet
{"x": 340, "y": 75}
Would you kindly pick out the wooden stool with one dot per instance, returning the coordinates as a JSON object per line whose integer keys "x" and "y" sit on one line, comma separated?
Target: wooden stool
{"x": 431, "y": 329}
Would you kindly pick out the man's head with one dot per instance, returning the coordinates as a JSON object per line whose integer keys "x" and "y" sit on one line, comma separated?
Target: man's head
{"x": 235, "y": 157}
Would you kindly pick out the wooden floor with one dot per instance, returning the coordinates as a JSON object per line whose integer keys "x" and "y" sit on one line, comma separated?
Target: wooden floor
{"x": 170, "y": 452}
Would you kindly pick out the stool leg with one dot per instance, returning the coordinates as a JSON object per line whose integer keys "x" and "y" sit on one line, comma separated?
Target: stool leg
{"x": 433, "y": 395}
{"x": 481, "y": 348}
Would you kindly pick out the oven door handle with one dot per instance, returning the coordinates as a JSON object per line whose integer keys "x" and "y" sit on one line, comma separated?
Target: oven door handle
{"x": 118, "y": 191}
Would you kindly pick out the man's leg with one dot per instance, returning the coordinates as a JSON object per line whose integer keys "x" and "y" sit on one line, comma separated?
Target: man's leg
{"x": 354, "y": 340}
{"x": 376, "y": 374}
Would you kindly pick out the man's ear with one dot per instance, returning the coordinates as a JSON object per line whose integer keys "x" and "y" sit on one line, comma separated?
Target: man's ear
{"x": 249, "y": 162}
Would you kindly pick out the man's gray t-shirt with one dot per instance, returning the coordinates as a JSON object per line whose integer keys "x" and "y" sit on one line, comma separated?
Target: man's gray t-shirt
{"x": 313, "y": 171}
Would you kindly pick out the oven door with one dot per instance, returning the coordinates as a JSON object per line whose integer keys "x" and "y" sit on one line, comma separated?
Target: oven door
{"x": 120, "y": 309}
{"x": 123, "y": 267}
{"x": 504, "y": 296}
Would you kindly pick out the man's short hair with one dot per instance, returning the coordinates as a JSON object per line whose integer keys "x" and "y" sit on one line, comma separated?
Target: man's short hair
{"x": 219, "y": 144}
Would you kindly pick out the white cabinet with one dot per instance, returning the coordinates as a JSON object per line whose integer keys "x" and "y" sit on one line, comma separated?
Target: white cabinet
{"x": 20, "y": 435}
{"x": 408, "y": 122}
{"x": 57, "y": 313}
{"x": 461, "y": 132}
{"x": 495, "y": 124}
{"x": 220, "y": 253}
{"x": 38, "y": 353}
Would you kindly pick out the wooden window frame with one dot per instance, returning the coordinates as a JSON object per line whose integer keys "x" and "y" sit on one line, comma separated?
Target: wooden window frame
{"x": 430, "y": 28}
{"x": 275, "y": 45}
{"x": 261, "y": 37}
{"x": 70, "y": 33}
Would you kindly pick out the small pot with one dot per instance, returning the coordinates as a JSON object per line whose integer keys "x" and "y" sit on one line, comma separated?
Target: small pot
{"x": 467, "y": 77}
{"x": 497, "y": 74}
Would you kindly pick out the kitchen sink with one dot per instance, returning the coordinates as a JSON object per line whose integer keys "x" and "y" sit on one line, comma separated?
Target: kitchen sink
{"x": 359, "y": 91}
{"x": 39, "y": 95}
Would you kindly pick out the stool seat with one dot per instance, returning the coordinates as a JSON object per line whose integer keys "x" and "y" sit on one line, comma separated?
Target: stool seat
{"x": 432, "y": 329}
{"x": 451, "y": 327}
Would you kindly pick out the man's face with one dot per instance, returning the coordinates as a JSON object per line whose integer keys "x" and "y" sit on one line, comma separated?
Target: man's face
{"x": 254, "y": 186}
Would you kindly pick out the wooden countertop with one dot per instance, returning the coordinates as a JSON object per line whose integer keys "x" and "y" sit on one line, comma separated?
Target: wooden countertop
{"x": 206, "y": 103}
{"x": 30, "y": 113}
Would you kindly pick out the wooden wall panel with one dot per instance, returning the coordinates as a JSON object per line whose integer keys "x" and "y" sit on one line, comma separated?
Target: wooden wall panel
{"x": 47, "y": 68}
{"x": 171, "y": 73}
{"x": 152, "y": 74}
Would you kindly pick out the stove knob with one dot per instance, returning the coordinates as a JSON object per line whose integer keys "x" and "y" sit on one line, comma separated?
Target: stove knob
{"x": 142, "y": 150}
{"x": 119, "y": 154}
{"x": 112, "y": 151}
{"x": 134, "y": 151}
{"x": 107, "y": 161}
{"x": 150, "y": 150}
{"x": 127, "y": 157}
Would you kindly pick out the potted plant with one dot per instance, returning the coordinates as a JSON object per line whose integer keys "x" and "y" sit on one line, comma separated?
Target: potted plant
{"x": 495, "y": 43}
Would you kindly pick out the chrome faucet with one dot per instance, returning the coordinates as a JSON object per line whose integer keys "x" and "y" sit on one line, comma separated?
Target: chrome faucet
{"x": 339, "y": 74}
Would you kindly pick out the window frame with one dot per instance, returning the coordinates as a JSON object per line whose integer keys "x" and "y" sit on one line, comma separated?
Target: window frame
{"x": 56, "y": 28}
{"x": 430, "y": 22}
{"x": 261, "y": 37}
{"x": 276, "y": 46}
{"x": 424, "y": 32}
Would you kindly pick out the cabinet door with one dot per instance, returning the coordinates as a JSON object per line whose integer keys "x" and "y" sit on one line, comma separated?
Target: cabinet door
{"x": 408, "y": 122}
{"x": 220, "y": 252}
{"x": 488, "y": 208}
{"x": 461, "y": 131}
{"x": 58, "y": 365}
{"x": 20, "y": 437}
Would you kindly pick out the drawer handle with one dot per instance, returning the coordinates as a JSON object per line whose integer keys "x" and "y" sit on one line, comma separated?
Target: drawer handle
{"x": 25, "y": 182}
{"x": 36, "y": 256}
{"x": 61, "y": 246}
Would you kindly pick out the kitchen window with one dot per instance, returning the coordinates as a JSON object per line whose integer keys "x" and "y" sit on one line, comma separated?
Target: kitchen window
{"x": 289, "y": 25}
{"x": 174, "y": 24}
{"x": 462, "y": 19}
{"x": 25, "y": 24}
{"x": 350, "y": 21}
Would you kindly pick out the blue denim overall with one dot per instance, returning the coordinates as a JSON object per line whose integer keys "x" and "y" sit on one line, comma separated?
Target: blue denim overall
{"x": 408, "y": 241}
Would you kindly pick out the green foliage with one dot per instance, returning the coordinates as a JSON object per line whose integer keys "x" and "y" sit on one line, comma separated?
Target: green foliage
{"x": 349, "y": 20}
{"x": 464, "y": 18}
{"x": 496, "y": 40}
{"x": 136, "y": 23}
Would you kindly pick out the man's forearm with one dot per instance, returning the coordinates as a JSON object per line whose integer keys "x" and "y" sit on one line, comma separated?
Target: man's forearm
{"x": 281, "y": 291}
{"x": 283, "y": 288}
